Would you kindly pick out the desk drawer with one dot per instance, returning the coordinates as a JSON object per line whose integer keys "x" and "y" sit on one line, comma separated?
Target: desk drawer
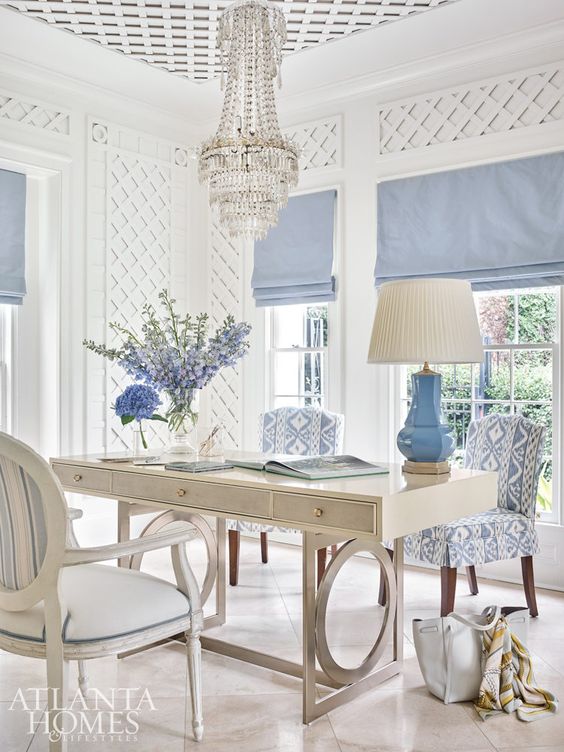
{"x": 349, "y": 515}
{"x": 193, "y": 493}
{"x": 83, "y": 478}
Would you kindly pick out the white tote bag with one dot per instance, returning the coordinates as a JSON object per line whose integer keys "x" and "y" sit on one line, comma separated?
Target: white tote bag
{"x": 449, "y": 650}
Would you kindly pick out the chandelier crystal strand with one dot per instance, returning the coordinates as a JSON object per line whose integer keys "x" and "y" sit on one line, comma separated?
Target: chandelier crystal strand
{"x": 248, "y": 165}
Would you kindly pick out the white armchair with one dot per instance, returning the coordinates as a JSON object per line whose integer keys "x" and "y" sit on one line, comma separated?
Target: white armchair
{"x": 89, "y": 610}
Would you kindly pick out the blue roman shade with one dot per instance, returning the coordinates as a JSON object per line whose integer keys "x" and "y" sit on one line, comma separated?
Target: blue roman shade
{"x": 293, "y": 264}
{"x": 12, "y": 237}
{"x": 497, "y": 225}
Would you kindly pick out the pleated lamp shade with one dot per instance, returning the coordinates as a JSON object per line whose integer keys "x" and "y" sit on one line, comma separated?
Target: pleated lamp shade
{"x": 431, "y": 320}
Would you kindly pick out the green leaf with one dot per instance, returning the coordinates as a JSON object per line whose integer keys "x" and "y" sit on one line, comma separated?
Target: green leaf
{"x": 125, "y": 419}
{"x": 155, "y": 416}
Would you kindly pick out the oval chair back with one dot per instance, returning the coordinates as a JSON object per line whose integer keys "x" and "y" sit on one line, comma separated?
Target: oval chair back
{"x": 33, "y": 519}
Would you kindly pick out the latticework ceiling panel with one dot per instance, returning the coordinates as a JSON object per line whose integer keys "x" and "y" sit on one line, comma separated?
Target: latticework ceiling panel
{"x": 180, "y": 36}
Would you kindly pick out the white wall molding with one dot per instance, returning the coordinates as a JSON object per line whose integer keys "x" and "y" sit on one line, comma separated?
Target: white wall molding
{"x": 137, "y": 206}
{"x": 498, "y": 55}
{"x": 496, "y": 105}
{"x": 320, "y": 142}
{"x": 226, "y": 270}
{"x": 30, "y": 113}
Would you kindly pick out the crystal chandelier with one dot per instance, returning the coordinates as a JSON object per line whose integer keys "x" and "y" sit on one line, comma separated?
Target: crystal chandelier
{"x": 248, "y": 164}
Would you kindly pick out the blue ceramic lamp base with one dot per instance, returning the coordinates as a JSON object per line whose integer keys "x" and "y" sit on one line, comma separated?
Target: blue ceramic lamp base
{"x": 426, "y": 440}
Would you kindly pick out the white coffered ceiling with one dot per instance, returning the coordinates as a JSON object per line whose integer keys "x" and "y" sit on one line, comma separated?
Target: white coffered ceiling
{"x": 180, "y": 36}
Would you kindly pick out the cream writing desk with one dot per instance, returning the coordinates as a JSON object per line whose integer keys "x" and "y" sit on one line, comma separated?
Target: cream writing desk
{"x": 357, "y": 512}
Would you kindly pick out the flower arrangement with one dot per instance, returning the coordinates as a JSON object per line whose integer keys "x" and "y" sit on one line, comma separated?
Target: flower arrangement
{"x": 138, "y": 402}
{"x": 176, "y": 355}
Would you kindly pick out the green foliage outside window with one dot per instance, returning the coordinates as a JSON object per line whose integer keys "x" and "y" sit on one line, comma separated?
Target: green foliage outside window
{"x": 523, "y": 318}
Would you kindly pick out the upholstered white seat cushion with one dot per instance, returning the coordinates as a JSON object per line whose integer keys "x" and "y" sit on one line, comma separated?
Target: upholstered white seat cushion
{"x": 103, "y": 602}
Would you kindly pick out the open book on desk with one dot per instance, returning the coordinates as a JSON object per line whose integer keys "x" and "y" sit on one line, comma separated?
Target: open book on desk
{"x": 321, "y": 467}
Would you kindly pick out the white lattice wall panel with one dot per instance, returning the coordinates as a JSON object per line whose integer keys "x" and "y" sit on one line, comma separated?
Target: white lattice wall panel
{"x": 319, "y": 142}
{"x": 226, "y": 263}
{"x": 498, "y": 105}
{"x": 33, "y": 114}
{"x": 137, "y": 196}
{"x": 181, "y": 36}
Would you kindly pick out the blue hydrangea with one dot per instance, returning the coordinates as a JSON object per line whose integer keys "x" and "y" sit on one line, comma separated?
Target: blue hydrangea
{"x": 139, "y": 401}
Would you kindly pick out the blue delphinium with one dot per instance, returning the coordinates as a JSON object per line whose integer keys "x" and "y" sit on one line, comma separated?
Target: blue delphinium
{"x": 138, "y": 402}
{"x": 176, "y": 355}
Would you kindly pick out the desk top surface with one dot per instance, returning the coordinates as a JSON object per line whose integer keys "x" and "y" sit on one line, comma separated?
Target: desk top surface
{"x": 364, "y": 488}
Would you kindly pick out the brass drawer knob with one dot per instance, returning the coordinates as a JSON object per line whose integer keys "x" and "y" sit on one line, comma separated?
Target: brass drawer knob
{"x": 318, "y": 512}
{"x": 180, "y": 492}
{"x": 77, "y": 477}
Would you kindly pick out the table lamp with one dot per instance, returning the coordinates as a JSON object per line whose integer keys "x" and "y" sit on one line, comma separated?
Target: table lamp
{"x": 426, "y": 321}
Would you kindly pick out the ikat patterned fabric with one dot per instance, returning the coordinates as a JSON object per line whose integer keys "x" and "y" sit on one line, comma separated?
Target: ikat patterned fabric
{"x": 23, "y": 532}
{"x": 512, "y": 446}
{"x": 301, "y": 430}
{"x": 295, "y": 430}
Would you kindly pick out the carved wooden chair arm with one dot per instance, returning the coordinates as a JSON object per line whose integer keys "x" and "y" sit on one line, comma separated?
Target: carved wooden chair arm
{"x": 170, "y": 537}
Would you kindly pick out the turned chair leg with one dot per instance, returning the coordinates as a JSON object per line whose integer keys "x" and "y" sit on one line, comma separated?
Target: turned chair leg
{"x": 472, "y": 581}
{"x": 448, "y": 589}
{"x": 82, "y": 678}
{"x": 382, "y": 589}
{"x": 234, "y": 546}
{"x": 321, "y": 563}
{"x": 529, "y": 584}
{"x": 264, "y": 547}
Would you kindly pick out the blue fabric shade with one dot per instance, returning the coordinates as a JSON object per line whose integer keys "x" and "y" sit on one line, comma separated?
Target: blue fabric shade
{"x": 498, "y": 225}
{"x": 12, "y": 237}
{"x": 293, "y": 263}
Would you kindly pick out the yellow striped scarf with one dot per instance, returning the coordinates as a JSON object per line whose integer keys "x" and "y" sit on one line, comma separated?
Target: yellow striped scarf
{"x": 508, "y": 683}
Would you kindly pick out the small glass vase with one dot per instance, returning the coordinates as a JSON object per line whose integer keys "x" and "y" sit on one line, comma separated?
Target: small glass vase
{"x": 139, "y": 450}
{"x": 210, "y": 440}
{"x": 183, "y": 420}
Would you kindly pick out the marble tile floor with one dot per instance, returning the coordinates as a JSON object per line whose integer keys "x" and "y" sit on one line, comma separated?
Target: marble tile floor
{"x": 254, "y": 710}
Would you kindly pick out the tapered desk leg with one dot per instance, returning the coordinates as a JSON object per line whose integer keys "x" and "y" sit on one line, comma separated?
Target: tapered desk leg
{"x": 309, "y": 555}
{"x": 398, "y": 621}
{"x": 124, "y": 530}
{"x": 221, "y": 580}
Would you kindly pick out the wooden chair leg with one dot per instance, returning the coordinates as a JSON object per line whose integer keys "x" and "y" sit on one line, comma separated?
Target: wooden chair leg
{"x": 194, "y": 651}
{"x": 529, "y": 584}
{"x": 264, "y": 547}
{"x": 472, "y": 581}
{"x": 321, "y": 563}
{"x": 234, "y": 546}
{"x": 82, "y": 678}
{"x": 382, "y": 589}
{"x": 448, "y": 589}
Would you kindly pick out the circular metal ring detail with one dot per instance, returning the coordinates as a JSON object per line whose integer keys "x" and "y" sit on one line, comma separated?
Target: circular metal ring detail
{"x": 167, "y": 518}
{"x": 326, "y": 660}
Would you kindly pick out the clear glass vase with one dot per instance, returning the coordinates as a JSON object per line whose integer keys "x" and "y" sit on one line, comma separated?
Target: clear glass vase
{"x": 139, "y": 442}
{"x": 182, "y": 421}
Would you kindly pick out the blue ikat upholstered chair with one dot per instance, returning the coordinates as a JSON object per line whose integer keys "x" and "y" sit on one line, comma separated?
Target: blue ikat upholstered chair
{"x": 288, "y": 430}
{"x": 513, "y": 446}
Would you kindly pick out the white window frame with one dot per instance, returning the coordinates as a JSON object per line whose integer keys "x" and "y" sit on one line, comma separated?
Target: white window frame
{"x": 7, "y": 318}
{"x": 556, "y": 515}
{"x": 273, "y": 351}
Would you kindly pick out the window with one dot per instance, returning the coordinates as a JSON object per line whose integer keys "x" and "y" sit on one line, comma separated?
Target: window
{"x": 5, "y": 367}
{"x": 520, "y": 374}
{"x": 298, "y": 355}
